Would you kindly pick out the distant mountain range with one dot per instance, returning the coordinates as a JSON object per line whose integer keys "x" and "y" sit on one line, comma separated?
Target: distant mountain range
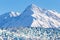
{"x": 32, "y": 16}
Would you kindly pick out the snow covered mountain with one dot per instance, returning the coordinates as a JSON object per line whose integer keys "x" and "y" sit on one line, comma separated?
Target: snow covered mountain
{"x": 32, "y": 16}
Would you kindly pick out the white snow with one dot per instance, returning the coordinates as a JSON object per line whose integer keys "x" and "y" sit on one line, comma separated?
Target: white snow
{"x": 54, "y": 12}
{"x": 35, "y": 17}
{"x": 14, "y": 14}
{"x": 17, "y": 13}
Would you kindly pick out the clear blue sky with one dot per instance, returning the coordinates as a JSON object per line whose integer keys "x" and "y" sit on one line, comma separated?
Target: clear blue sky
{"x": 20, "y": 5}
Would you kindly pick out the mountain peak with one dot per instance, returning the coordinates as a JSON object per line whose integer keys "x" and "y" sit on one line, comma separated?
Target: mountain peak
{"x": 32, "y": 16}
{"x": 31, "y": 9}
{"x": 14, "y": 14}
{"x": 32, "y": 6}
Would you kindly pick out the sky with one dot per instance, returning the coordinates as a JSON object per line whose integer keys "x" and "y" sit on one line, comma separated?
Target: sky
{"x": 20, "y": 5}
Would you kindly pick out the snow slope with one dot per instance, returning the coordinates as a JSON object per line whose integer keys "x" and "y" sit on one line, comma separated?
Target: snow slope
{"x": 32, "y": 16}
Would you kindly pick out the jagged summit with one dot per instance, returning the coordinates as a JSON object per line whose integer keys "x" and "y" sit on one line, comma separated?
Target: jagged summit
{"x": 32, "y": 16}
{"x": 14, "y": 14}
{"x": 11, "y": 14}
{"x": 32, "y": 6}
{"x": 31, "y": 9}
